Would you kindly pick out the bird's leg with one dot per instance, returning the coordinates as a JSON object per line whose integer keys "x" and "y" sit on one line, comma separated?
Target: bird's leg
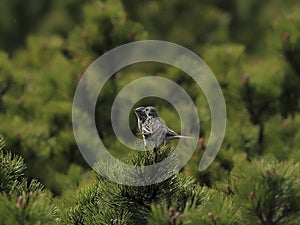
{"x": 155, "y": 153}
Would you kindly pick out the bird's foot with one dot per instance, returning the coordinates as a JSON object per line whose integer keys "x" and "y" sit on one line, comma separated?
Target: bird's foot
{"x": 155, "y": 151}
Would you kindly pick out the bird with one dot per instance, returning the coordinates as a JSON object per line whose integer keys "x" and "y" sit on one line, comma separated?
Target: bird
{"x": 155, "y": 131}
{"x": 141, "y": 118}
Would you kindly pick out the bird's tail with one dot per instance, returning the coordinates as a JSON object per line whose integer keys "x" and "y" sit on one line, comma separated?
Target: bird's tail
{"x": 182, "y": 136}
{"x": 179, "y": 136}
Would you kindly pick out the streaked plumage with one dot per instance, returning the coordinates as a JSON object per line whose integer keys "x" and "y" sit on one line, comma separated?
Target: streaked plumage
{"x": 141, "y": 117}
{"x": 154, "y": 130}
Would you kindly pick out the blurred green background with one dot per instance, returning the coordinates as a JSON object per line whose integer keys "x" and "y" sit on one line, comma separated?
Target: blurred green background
{"x": 252, "y": 47}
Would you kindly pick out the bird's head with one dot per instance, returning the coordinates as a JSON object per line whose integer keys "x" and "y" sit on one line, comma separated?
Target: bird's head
{"x": 151, "y": 111}
{"x": 140, "y": 112}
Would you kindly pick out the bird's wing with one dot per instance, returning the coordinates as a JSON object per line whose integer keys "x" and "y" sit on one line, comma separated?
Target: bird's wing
{"x": 151, "y": 133}
{"x": 146, "y": 130}
{"x": 170, "y": 133}
{"x": 154, "y": 131}
{"x": 150, "y": 126}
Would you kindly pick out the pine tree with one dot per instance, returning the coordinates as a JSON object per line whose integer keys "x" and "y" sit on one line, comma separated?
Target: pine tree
{"x": 23, "y": 201}
{"x": 49, "y": 45}
{"x": 268, "y": 192}
{"x": 105, "y": 202}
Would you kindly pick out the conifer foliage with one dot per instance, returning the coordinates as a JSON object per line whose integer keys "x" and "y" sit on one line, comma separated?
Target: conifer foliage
{"x": 252, "y": 47}
{"x": 23, "y": 201}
